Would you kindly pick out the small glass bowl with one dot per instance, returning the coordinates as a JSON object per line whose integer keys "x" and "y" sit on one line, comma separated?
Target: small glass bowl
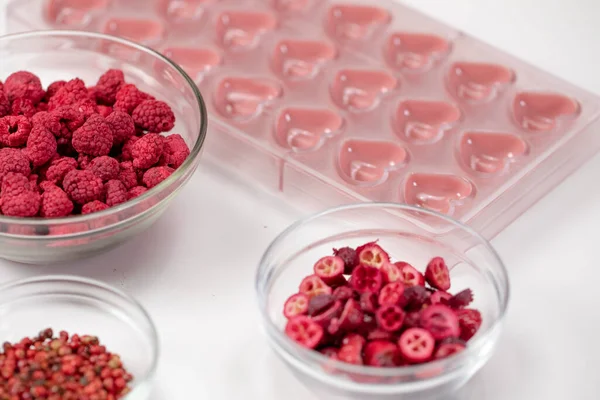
{"x": 84, "y": 307}
{"x": 56, "y": 55}
{"x": 409, "y": 234}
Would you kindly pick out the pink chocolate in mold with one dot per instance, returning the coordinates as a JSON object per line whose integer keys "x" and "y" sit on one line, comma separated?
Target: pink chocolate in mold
{"x": 369, "y": 163}
{"x": 354, "y": 22}
{"x": 243, "y": 29}
{"x": 290, "y": 5}
{"x": 195, "y": 61}
{"x": 437, "y": 192}
{"x": 144, "y": 31}
{"x": 478, "y": 82}
{"x": 415, "y": 52}
{"x": 244, "y": 98}
{"x": 304, "y": 129}
{"x": 301, "y": 59}
{"x": 182, "y": 10}
{"x": 540, "y": 112}
{"x": 74, "y": 13}
{"x": 424, "y": 121}
{"x": 491, "y": 152}
{"x": 361, "y": 90}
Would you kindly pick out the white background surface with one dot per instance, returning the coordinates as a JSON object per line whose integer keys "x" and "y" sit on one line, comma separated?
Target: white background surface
{"x": 196, "y": 265}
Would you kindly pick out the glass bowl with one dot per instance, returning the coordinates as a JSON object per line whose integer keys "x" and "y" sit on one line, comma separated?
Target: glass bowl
{"x": 409, "y": 234}
{"x": 55, "y": 55}
{"x": 84, "y": 307}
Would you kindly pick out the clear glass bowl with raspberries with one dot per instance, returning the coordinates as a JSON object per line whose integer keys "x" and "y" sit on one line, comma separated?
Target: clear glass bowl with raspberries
{"x": 97, "y": 136}
{"x": 381, "y": 301}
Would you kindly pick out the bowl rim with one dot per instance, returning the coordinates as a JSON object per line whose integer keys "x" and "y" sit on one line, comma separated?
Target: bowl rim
{"x": 78, "y": 280}
{"x": 291, "y": 348}
{"x": 178, "y": 173}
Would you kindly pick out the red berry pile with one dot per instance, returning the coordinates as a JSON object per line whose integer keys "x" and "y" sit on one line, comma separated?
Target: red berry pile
{"x": 360, "y": 308}
{"x": 61, "y": 368}
{"x": 73, "y": 149}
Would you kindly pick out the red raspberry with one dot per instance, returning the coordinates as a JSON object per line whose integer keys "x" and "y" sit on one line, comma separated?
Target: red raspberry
{"x": 14, "y": 130}
{"x": 42, "y": 107}
{"x": 25, "y": 85}
{"x": 105, "y": 168}
{"x": 136, "y": 191}
{"x": 154, "y": 116}
{"x": 25, "y": 204}
{"x": 33, "y": 182}
{"x": 41, "y": 146}
{"x": 22, "y": 106}
{"x": 48, "y": 120}
{"x": 116, "y": 193}
{"x": 84, "y": 161}
{"x": 13, "y": 160}
{"x": 83, "y": 186}
{"x": 47, "y": 185}
{"x": 108, "y": 85}
{"x": 55, "y": 203}
{"x": 70, "y": 120}
{"x": 53, "y": 88}
{"x": 93, "y": 206}
{"x": 129, "y": 97}
{"x": 147, "y": 151}
{"x": 122, "y": 126}
{"x": 105, "y": 111}
{"x": 127, "y": 174}
{"x": 175, "y": 151}
{"x": 72, "y": 93}
{"x": 14, "y": 184}
{"x": 59, "y": 168}
{"x": 4, "y": 104}
{"x": 94, "y": 138}
{"x": 87, "y": 107}
{"x": 127, "y": 149}
{"x": 156, "y": 175}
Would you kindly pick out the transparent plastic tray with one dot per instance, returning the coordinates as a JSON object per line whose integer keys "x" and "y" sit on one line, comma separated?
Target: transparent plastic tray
{"x": 332, "y": 101}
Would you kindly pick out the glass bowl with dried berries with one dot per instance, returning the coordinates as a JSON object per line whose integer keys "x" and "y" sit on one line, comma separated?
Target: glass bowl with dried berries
{"x": 97, "y": 136}
{"x": 64, "y": 337}
{"x": 399, "y": 301}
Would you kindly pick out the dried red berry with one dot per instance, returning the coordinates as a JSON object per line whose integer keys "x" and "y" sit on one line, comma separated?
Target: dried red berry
{"x": 366, "y": 279}
{"x": 53, "y": 88}
{"x": 449, "y": 347}
{"x": 319, "y": 303}
{"x": 390, "y": 317}
{"x": 461, "y": 299}
{"x": 48, "y": 120}
{"x": 147, "y": 150}
{"x": 347, "y": 254}
{"x": 381, "y": 353}
{"x": 392, "y": 293}
{"x": 105, "y": 168}
{"x": 136, "y": 191}
{"x": 15, "y": 183}
{"x": 312, "y": 286}
{"x": 372, "y": 254}
{"x": 416, "y": 345}
{"x": 154, "y": 116}
{"x": 327, "y": 314}
{"x": 469, "y": 321}
{"x": 330, "y": 269}
{"x": 175, "y": 151}
{"x": 127, "y": 149}
{"x": 105, "y": 111}
{"x": 156, "y": 175}
{"x": 13, "y": 160}
{"x": 437, "y": 274}
{"x": 23, "y": 107}
{"x": 14, "y": 130}
{"x": 351, "y": 317}
{"x": 304, "y": 331}
{"x": 440, "y": 297}
{"x": 122, "y": 126}
{"x": 24, "y": 85}
{"x": 70, "y": 94}
{"x": 391, "y": 273}
{"x": 368, "y": 302}
{"x": 55, "y": 203}
{"x": 352, "y": 349}
{"x": 440, "y": 321}
{"x": 83, "y": 186}
{"x": 127, "y": 175}
{"x": 94, "y": 138}
{"x": 409, "y": 275}
{"x": 70, "y": 120}
{"x": 330, "y": 352}
{"x": 24, "y": 204}
{"x": 379, "y": 334}
{"x": 41, "y": 146}
{"x": 415, "y": 297}
{"x": 93, "y": 206}
{"x": 108, "y": 85}
{"x": 116, "y": 193}
{"x": 412, "y": 320}
{"x": 343, "y": 293}
{"x": 128, "y": 98}
{"x": 295, "y": 305}
{"x": 4, "y": 104}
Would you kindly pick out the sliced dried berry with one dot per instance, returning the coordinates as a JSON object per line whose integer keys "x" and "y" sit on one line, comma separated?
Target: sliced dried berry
{"x": 416, "y": 345}
{"x": 368, "y": 302}
{"x": 449, "y": 347}
{"x": 381, "y": 353}
{"x": 392, "y": 293}
{"x": 351, "y": 317}
{"x": 319, "y": 303}
{"x": 352, "y": 349}
{"x": 312, "y": 285}
{"x": 295, "y": 305}
{"x": 343, "y": 293}
{"x": 366, "y": 279}
{"x": 415, "y": 297}
{"x": 390, "y": 317}
{"x": 440, "y": 321}
{"x": 437, "y": 274}
{"x": 326, "y": 315}
{"x": 461, "y": 299}
{"x": 410, "y": 275}
{"x": 469, "y": 321}
{"x": 347, "y": 254}
{"x": 372, "y": 254}
{"x": 412, "y": 320}
{"x": 440, "y": 297}
{"x": 331, "y": 270}
{"x": 379, "y": 334}
{"x": 304, "y": 331}
{"x": 391, "y": 273}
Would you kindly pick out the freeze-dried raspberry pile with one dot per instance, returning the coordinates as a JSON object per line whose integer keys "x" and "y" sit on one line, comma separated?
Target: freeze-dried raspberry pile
{"x": 360, "y": 308}
{"x": 73, "y": 149}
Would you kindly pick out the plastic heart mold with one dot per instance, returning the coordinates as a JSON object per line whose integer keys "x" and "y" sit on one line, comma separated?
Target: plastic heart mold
{"x": 369, "y": 163}
{"x": 301, "y": 59}
{"x": 354, "y": 22}
{"x": 437, "y": 192}
{"x": 540, "y": 112}
{"x": 144, "y": 31}
{"x": 491, "y": 152}
{"x": 195, "y": 61}
{"x": 242, "y": 29}
{"x": 305, "y": 129}
{"x": 242, "y": 99}
{"x": 478, "y": 82}
{"x": 415, "y": 52}
{"x": 74, "y": 13}
{"x": 182, "y": 10}
{"x": 361, "y": 90}
{"x": 425, "y": 121}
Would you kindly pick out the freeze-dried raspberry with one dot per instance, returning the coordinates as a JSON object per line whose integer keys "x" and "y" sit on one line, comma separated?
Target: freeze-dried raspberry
{"x": 127, "y": 149}
{"x": 55, "y": 203}
{"x": 15, "y": 183}
{"x": 13, "y": 160}
{"x": 122, "y": 126}
{"x": 33, "y": 182}
{"x": 14, "y": 130}
{"x": 59, "y": 168}
{"x": 156, "y": 175}
{"x": 147, "y": 151}
{"x": 24, "y": 85}
{"x": 83, "y": 186}
{"x": 94, "y": 138}
{"x": 136, "y": 191}
{"x": 25, "y": 204}
{"x": 23, "y": 106}
{"x": 93, "y": 206}
{"x": 84, "y": 161}
{"x": 48, "y": 120}
{"x": 105, "y": 111}
{"x": 4, "y": 104}
{"x": 127, "y": 174}
{"x": 129, "y": 97}
{"x": 116, "y": 193}
{"x": 41, "y": 146}
{"x": 41, "y": 107}
{"x": 175, "y": 151}
{"x": 72, "y": 92}
{"x": 87, "y": 107}
{"x": 105, "y": 168}
{"x": 70, "y": 120}
{"x": 47, "y": 185}
{"x": 53, "y": 88}
{"x": 108, "y": 85}
{"x": 154, "y": 116}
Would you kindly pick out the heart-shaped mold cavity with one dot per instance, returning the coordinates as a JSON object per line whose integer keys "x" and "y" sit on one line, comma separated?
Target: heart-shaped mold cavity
{"x": 361, "y": 90}
{"x": 243, "y": 29}
{"x": 491, "y": 152}
{"x": 478, "y": 82}
{"x": 355, "y": 22}
{"x": 425, "y": 121}
{"x": 301, "y": 59}
{"x": 369, "y": 163}
{"x": 183, "y": 10}
{"x": 74, "y": 13}
{"x": 285, "y": 6}
{"x": 437, "y": 192}
{"x": 242, "y": 99}
{"x": 415, "y": 52}
{"x": 306, "y": 129}
{"x": 195, "y": 61}
{"x": 144, "y": 31}
{"x": 540, "y": 112}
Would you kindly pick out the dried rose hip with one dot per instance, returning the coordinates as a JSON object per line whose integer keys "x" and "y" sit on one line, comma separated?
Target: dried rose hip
{"x": 366, "y": 279}
{"x": 469, "y": 321}
{"x": 409, "y": 275}
{"x": 331, "y": 270}
{"x": 295, "y": 305}
{"x": 352, "y": 349}
{"x": 437, "y": 274}
{"x": 381, "y": 353}
{"x": 304, "y": 331}
{"x": 312, "y": 285}
{"x": 390, "y": 317}
{"x": 440, "y": 321}
{"x": 416, "y": 345}
{"x": 372, "y": 254}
